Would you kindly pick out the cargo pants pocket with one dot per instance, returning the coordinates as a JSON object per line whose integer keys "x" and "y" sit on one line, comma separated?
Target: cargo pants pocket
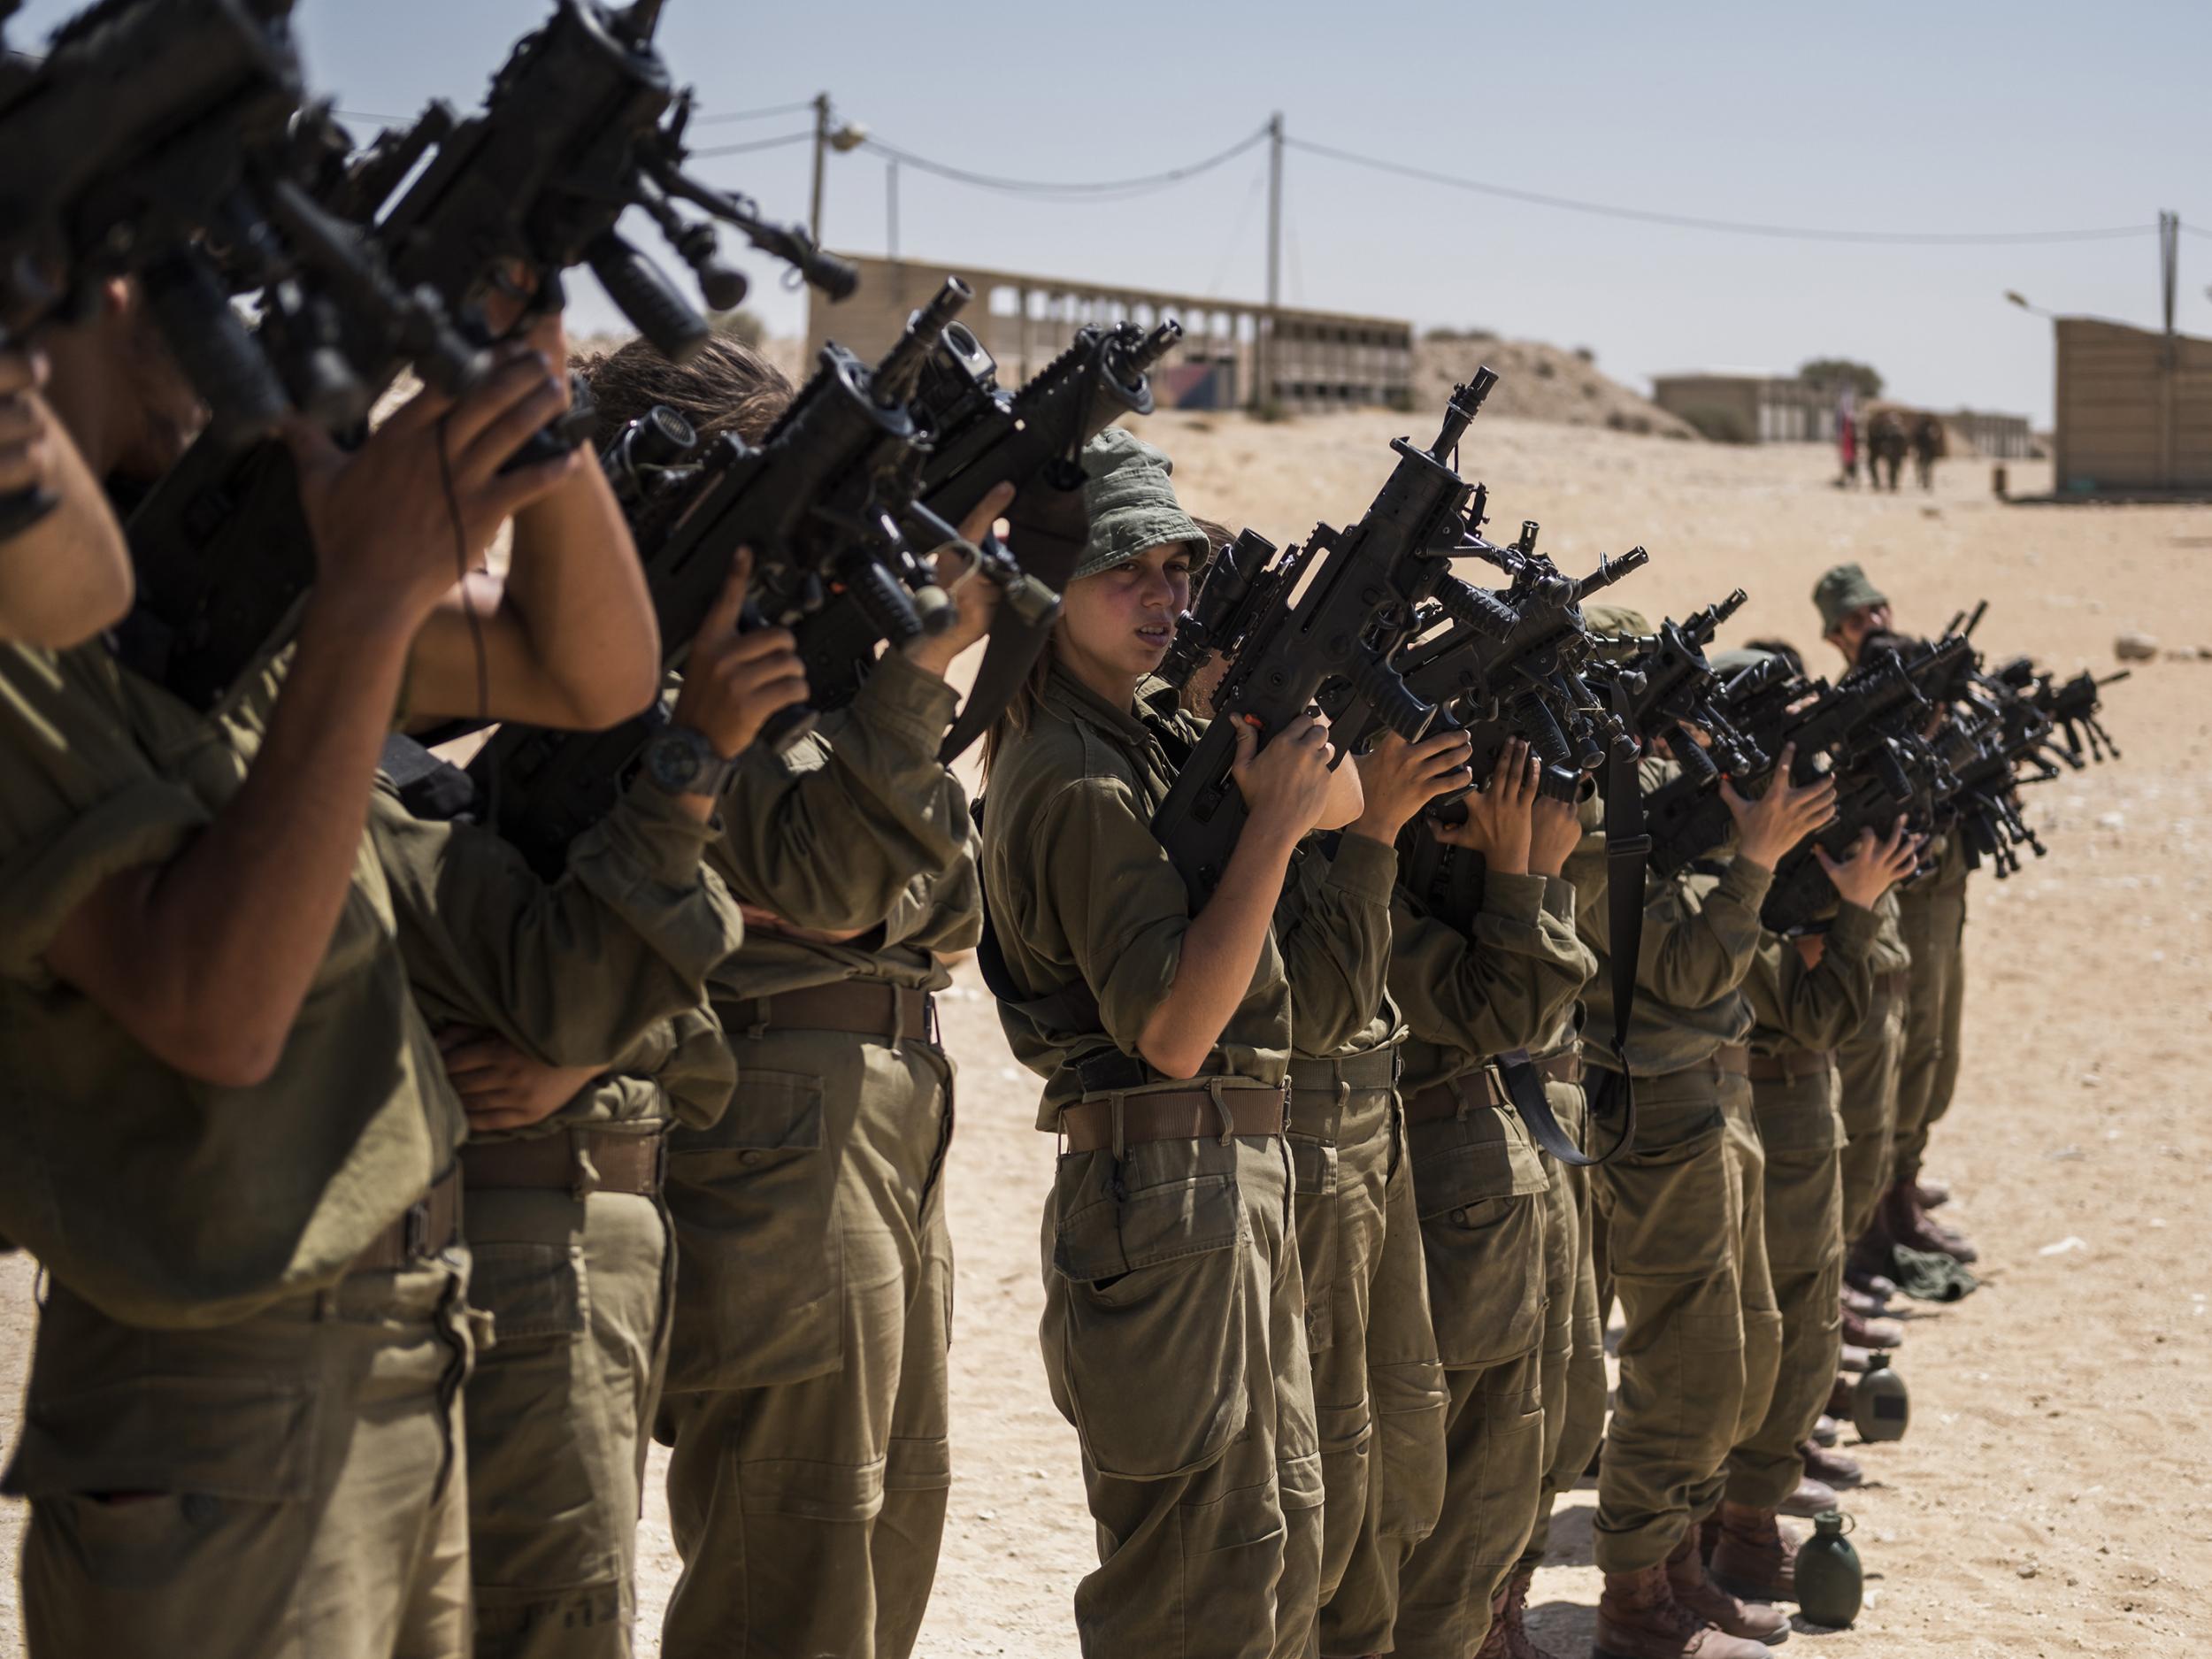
{"x": 1320, "y": 1237}
{"x": 760, "y": 1272}
{"x": 1148, "y": 1305}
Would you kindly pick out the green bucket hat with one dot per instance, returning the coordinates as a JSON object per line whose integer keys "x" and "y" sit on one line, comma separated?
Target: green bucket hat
{"x": 1736, "y": 660}
{"x": 1615, "y": 622}
{"x": 1130, "y": 504}
{"x": 1841, "y": 591}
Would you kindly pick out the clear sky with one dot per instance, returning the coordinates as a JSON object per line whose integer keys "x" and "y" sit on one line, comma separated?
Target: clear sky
{"x": 1950, "y": 115}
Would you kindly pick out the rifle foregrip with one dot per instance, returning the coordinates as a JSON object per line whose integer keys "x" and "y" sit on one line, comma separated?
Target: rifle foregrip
{"x": 647, "y": 298}
{"x": 192, "y": 308}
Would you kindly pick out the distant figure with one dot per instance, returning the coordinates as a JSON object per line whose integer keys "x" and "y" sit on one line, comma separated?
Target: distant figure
{"x": 1846, "y": 440}
{"x": 1885, "y": 447}
{"x": 1927, "y": 445}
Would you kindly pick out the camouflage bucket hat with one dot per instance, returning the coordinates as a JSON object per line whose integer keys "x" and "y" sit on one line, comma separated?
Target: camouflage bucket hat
{"x": 1841, "y": 591}
{"x": 1615, "y": 622}
{"x": 1735, "y": 661}
{"x": 1131, "y": 505}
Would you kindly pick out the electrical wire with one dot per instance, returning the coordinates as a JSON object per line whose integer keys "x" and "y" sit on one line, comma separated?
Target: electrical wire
{"x": 1685, "y": 221}
{"x": 729, "y": 116}
{"x": 757, "y": 143}
{"x": 1106, "y": 187}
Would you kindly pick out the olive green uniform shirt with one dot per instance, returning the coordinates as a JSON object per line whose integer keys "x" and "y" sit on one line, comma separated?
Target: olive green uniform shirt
{"x": 575, "y": 972}
{"x": 1700, "y": 932}
{"x": 858, "y": 826}
{"x": 1083, "y": 893}
{"x": 1887, "y": 953}
{"x": 162, "y": 1200}
{"x": 1333, "y": 925}
{"x": 1794, "y": 1007}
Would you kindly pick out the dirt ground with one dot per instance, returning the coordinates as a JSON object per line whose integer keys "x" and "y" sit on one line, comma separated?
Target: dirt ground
{"x": 2052, "y": 1496}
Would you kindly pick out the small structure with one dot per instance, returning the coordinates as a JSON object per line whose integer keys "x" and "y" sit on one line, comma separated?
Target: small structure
{"x": 2134, "y": 411}
{"x": 1315, "y": 359}
{"x": 1749, "y": 406}
{"x": 1999, "y": 437}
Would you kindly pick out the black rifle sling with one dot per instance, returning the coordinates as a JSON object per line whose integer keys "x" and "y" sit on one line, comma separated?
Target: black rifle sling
{"x": 1627, "y": 852}
{"x": 1015, "y": 645}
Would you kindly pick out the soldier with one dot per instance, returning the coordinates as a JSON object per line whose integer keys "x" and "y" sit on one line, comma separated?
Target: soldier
{"x": 1684, "y": 1216}
{"x": 572, "y": 1022}
{"x": 1377, "y": 1385}
{"x": 1485, "y": 960}
{"x": 1173, "y": 1334}
{"x": 67, "y": 575}
{"x": 1805, "y": 993}
{"x": 1854, "y": 615}
{"x": 1885, "y": 445}
{"x": 241, "y": 1421}
{"x": 1927, "y": 448}
{"x": 806, "y": 1403}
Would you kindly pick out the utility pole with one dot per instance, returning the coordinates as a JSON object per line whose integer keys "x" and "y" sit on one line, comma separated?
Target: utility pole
{"x": 821, "y": 150}
{"x": 891, "y": 209}
{"x": 2169, "y": 348}
{"x": 1264, "y": 393}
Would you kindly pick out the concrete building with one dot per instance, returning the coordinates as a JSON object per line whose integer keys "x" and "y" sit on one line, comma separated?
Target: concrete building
{"x": 1749, "y": 406}
{"x": 1999, "y": 437}
{"x": 2134, "y": 411}
{"x": 1319, "y": 359}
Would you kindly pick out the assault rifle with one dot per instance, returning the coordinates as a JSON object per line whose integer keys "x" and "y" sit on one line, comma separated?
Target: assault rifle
{"x": 1530, "y": 684}
{"x": 828, "y": 505}
{"x": 1332, "y": 617}
{"x": 582, "y": 124}
{"x": 1901, "y": 775}
{"x": 143, "y": 139}
{"x": 1670, "y": 685}
{"x": 981, "y": 435}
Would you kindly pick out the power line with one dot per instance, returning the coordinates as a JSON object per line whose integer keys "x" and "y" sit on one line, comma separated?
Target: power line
{"x": 757, "y": 143}
{"x": 1685, "y": 221}
{"x": 728, "y": 116}
{"x": 1105, "y": 188}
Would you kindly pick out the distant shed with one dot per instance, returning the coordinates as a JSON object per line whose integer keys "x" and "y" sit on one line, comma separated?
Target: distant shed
{"x": 2134, "y": 411}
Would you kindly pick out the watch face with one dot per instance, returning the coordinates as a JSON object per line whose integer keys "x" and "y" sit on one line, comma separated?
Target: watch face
{"x": 672, "y": 761}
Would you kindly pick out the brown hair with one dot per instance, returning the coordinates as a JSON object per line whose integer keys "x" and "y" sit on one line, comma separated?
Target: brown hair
{"x": 727, "y": 388}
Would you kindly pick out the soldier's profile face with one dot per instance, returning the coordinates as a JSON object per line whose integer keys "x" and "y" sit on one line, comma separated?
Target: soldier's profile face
{"x": 1858, "y": 623}
{"x": 1120, "y": 622}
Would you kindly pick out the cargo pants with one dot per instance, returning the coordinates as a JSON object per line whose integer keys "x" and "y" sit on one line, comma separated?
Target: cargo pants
{"x": 558, "y": 1414}
{"x": 1173, "y": 1339}
{"x": 1574, "y": 1386}
{"x": 1933, "y": 918}
{"x": 1483, "y": 1202}
{"x": 1802, "y": 1136}
{"x": 1867, "y": 1066}
{"x": 1685, "y": 1211}
{"x": 290, "y": 1487}
{"x": 806, "y": 1400}
{"x": 1378, "y": 1397}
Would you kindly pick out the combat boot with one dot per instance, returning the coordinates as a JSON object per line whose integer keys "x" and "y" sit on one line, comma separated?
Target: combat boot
{"x": 1861, "y": 1303}
{"x": 1861, "y": 1332}
{"x": 1866, "y": 1268}
{"x": 1757, "y": 1557}
{"x": 1839, "y": 1398}
{"x": 1827, "y": 1431}
{"x": 1638, "y": 1618}
{"x": 1830, "y": 1469}
{"x": 1508, "y": 1635}
{"x": 1906, "y": 1223}
{"x": 1933, "y": 1194}
{"x": 1695, "y": 1590}
{"x": 1810, "y": 1498}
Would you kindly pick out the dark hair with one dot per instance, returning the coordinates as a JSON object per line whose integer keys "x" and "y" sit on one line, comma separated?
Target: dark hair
{"x": 727, "y": 388}
{"x": 1782, "y": 649}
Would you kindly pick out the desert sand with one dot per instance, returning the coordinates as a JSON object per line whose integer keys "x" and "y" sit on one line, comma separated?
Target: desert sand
{"x": 2052, "y": 1495}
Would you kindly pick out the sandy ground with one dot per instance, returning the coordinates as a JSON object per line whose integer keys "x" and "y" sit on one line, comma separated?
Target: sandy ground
{"x": 2052, "y": 1495}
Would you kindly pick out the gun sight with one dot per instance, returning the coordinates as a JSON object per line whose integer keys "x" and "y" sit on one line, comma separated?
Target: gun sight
{"x": 901, "y": 370}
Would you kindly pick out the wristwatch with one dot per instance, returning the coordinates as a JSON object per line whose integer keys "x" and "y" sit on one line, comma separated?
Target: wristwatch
{"x": 680, "y": 760}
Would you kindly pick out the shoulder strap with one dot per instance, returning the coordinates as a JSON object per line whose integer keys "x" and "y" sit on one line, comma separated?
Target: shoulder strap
{"x": 1627, "y": 852}
{"x": 1070, "y": 1007}
{"x": 428, "y": 787}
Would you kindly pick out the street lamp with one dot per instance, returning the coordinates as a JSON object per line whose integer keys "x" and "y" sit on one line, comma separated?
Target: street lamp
{"x": 844, "y": 138}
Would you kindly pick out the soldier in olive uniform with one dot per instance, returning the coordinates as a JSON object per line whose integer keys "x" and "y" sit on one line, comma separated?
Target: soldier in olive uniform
{"x": 1805, "y": 993}
{"x": 1684, "y": 1224}
{"x": 1377, "y": 1385}
{"x": 1486, "y": 961}
{"x": 1868, "y": 1063}
{"x": 1932, "y": 920}
{"x": 1173, "y": 1334}
{"x": 241, "y": 1432}
{"x": 572, "y": 1025}
{"x": 805, "y": 1404}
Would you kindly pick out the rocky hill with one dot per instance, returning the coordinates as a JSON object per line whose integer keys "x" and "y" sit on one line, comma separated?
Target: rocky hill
{"x": 1537, "y": 381}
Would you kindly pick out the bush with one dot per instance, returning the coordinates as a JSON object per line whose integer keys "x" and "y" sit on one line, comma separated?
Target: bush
{"x": 1721, "y": 425}
{"x": 1461, "y": 334}
{"x": 1589, "y": 354}
{"x": 1841, "y": 371}
{"x": 745, "y": 328}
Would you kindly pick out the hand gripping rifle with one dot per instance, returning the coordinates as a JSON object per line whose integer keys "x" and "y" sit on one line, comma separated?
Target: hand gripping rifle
{"x": 582, "y": 124}
{"x": 1333, "y": 619}
{"x": 1530, "y": 684}
{"x": 140, "y": 144}
{"x": 823, "y": 501}
{"x": 981, "y": 435}
{"x": 1895, "y": 775}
